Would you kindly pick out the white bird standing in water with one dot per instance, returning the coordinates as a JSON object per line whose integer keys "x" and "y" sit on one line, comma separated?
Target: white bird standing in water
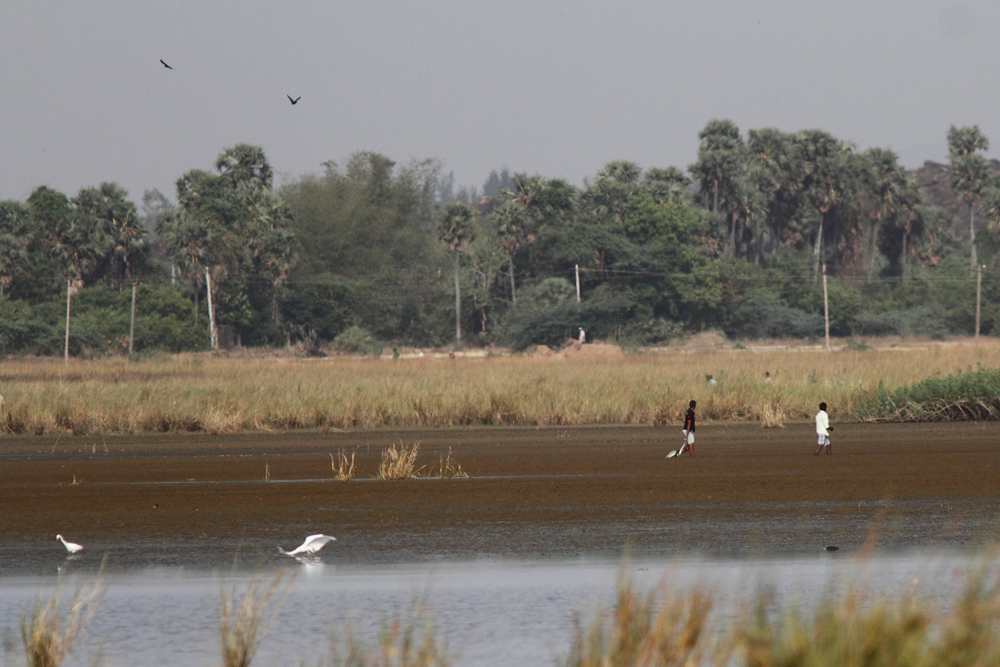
{"x": 312, "y": 544}
{"x": 71, "y": 547}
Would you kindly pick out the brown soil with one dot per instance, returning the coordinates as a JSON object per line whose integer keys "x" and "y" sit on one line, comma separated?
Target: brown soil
{"x": 553, "y": 492}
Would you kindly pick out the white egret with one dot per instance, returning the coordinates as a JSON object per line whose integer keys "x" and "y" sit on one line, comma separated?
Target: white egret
{"x": 71, "y": 547}
{"x": 312, "y": 544}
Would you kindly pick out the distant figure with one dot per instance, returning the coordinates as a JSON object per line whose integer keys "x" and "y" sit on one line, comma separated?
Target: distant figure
{"x": 583, "y": 335}
{"x": 395, "y": 353}
{"x": 295, "y": 101}
{"x": 767, "y": 377}
{"x": 420, "y": 356}
{"x": 688, "y": 430}
{"x": 711, "y": 381}
{"x": 451, "y": 355}
{"x": 823, "y": 429}
{"x": 165, "y": 64}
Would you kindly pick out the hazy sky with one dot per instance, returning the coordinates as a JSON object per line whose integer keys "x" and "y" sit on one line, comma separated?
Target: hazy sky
{"x": 551, "y": 87}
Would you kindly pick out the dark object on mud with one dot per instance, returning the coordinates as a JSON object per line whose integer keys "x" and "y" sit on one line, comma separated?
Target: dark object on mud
{"x": 832, "y": 548}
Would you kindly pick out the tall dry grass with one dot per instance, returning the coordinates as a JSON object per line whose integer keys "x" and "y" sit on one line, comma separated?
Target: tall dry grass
{"x": 665, "y": 629}
{"x": 47, "y": 635}
{"x": 652, "y": 630}
{"x": 857, "y": 629}
{"x": 244, "y": 617}
{"x": 217, "y": 394}
{"x": 410, "y": 643}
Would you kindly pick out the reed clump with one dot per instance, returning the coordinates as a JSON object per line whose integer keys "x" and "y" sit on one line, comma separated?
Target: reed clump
{"x": 343, "y": 469}
{"x": 448, "y": 469}
{"x": 399, "y": 462}
{"x": 190, "y": 392}
{"x": 857, "y": 630}
{"x": 414, "y": 643}
{"x": 47, "y": 636}
{"x": 652, "y": 630}
{"x": 243, "y": 618}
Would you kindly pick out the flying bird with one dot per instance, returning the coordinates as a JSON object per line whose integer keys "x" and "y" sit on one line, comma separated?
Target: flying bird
{"x": 312, "y": 544}
{"x": 71, "y": 547}
{"x": 165, "y": 64}
{"x": 295, "y": 101}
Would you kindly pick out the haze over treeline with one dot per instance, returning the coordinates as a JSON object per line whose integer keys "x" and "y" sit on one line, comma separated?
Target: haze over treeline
{"x": 371, "y": 252}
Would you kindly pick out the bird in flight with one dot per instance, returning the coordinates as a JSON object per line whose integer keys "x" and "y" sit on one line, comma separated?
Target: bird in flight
{"x": 165, "y": 64}
{"x": 71, "y": 547}
{"x": 312, "y": 544}
{"x": 295, "y": 101}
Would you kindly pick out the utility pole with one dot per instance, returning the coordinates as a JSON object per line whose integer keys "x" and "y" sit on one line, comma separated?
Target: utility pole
{"x": 213, "y": 336}
{"x": 458, "y": 306}
{"x": 826, "y": 309}
{"x": 979, "y": 287}
{"x": 578, "y": 283}
{"x": 131, "y": 326}
{"x": 69, "y": 294}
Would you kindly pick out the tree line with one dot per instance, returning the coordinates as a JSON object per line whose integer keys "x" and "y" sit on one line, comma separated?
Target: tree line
{"x": 373, "y": 253}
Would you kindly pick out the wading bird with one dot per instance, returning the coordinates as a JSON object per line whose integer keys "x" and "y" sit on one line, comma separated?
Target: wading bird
{"x": 71, "y": 547}
{"x": 165, "y": 64}
{"x": 312, "y": 544}
{"x": 295, "y": 101}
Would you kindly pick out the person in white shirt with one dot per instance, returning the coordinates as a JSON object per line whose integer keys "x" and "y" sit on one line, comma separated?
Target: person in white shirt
{"x": 823, "y": 429}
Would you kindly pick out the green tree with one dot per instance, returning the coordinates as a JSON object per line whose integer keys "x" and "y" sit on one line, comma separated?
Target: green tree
{"x": 13, "y": 242}
{"x": 457, "y": 229}
{"x": 969, "y": 175}
{"x": 232, "y": 224}
{"x": 116, "y": 220}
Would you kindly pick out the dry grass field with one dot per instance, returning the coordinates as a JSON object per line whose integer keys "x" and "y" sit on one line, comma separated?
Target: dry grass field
{"x": 592, "y": 384}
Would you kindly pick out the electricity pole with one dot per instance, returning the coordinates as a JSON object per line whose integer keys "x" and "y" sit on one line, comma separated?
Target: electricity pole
{"x": 979, "y": 287}
{"x": 826, "y": 309}
{"x": 131, "y": 326}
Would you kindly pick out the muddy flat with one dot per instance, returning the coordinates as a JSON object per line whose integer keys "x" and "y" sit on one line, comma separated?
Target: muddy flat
{"x": 200, "y": 500}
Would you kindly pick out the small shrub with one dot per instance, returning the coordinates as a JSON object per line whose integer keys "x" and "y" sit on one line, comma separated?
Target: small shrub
{"x": 858, "y": 345}
{"x": 355, "y": 340}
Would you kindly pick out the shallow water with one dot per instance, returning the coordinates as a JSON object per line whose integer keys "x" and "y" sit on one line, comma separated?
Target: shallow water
{"x": 490, "y": 613}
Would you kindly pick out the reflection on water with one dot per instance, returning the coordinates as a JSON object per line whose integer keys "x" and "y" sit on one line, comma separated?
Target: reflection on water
{"x": 490, "y": 613}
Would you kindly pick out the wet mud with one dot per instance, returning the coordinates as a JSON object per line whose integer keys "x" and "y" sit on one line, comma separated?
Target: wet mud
{"x": 203, "y": 501}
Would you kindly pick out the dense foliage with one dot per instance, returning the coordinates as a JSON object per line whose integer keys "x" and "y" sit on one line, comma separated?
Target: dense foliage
{"x": 373, "y": 253}
{"x": 972, "y": 395}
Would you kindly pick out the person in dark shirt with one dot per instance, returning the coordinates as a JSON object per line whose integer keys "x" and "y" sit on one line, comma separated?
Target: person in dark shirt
{"x": 688, "y": 430}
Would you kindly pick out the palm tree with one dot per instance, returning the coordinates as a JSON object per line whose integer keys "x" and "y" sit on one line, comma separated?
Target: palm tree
{"x": 456, "y": 228}
{"x": 886, "y": 189}
{"x": 511, "y": 222}
{"x": 970, "y": 174}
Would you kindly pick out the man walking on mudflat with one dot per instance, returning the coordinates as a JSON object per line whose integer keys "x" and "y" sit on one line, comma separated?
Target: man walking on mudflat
{"x": 688, "y": 430}
{"x": 823, "y": 429}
